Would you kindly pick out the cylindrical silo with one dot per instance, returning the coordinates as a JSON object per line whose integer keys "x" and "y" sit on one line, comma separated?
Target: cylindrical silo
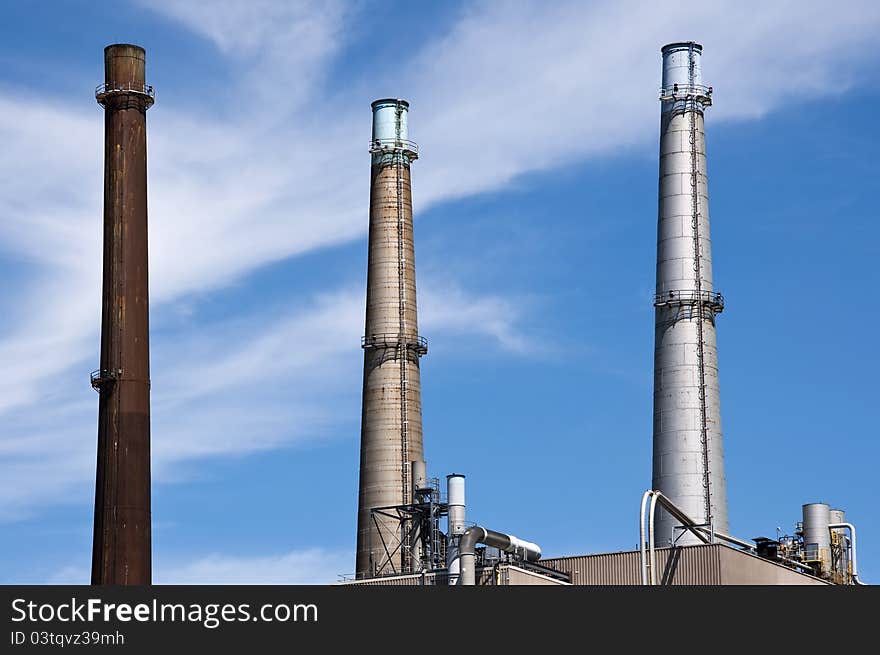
{"x": 817, "y": 536}
{"x": 688, "y": 458}
{"x": 391, "y": 421}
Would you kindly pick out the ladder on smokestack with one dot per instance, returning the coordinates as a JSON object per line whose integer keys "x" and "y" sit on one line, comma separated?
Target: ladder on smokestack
{"x": 700, "y": 306}
{"x": 402, "y": 342}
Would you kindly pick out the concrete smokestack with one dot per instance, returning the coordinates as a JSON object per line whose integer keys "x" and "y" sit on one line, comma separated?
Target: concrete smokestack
{"x": 688, "y": 454}
{"x": 391, "y": 422}
{"x": 121, "y": 549}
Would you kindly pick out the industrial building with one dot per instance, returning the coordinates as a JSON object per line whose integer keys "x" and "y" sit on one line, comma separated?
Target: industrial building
{"x": 411, "y": 529}
{"x": 683, "y": 530}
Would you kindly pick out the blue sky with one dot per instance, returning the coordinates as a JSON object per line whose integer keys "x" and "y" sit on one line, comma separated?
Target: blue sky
{"x": 535, "y": 203}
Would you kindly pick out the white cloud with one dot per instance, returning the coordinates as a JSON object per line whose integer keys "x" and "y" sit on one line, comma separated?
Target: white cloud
{"x": 448, "y": 309}
{"x": 517, "y": 87}
{"x": 509, "y": 88}
{"x": 298, "y": 567}
{"x": 251, "y": 385}
{"x": 280, "y": 48}
{"x": 312, "y": 566}
{"x": 227, "y": 387}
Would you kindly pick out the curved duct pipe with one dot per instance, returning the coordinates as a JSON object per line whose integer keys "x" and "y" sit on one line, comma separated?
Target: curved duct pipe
{"x": 676, "y": 513}
{"x": 852, "y": 532}
{"x": 508, "y": 543}
{"x": 643, "y": 560}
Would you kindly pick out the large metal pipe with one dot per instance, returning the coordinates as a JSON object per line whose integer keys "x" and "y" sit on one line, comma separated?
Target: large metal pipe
{"x": 474, "y": 535}
{"x": 648, "y": 557}
{"x": 391, "y": 420}
{"x": 855, "y": 561}
{"x": 688, "y": 459}
{"x": 456, "y": 519}
{"x": 121, "y": 548}
{"x": 704, "y": 534}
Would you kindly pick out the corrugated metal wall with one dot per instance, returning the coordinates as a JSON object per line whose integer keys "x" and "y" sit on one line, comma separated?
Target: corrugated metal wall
{"x": 743, "y": 568}
{"x": 504, "y": 575}
{"x": 517, "y": 576}
{"x": 484, "y": 577}
{"x": 714, "y": 564}
{"x": 389, "y": 581}
{"x": 696, "y": 565}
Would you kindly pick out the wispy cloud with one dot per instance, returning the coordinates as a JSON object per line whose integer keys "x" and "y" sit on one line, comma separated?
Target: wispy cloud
{"x": 312, "y": 566}
{"x": 506, "y": 89}
{"x": 228, "y": 387}
{"x": 280, "y": 49}
{"x": 298, "y": 567}
{"x": 448, "y": 309}
{"x": 524, "y": 86}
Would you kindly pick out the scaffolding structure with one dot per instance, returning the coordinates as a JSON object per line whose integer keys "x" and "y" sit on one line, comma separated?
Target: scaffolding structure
{"x": 421, "y": 546}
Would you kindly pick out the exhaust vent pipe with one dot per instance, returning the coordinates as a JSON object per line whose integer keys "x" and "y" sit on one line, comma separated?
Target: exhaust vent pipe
{"x": 525, "y": 550}
{"x": 456, "y": 520}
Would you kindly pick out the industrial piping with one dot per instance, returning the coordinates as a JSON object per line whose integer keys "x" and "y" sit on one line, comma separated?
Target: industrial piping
{"x": 648, "y": 560}
{"x": 507, "y": 543}
{"x": 121, "y": 552}
{"x": 657, "y": 497}
{"x": 852, "y": 532}
{"x": 455, "y": 504}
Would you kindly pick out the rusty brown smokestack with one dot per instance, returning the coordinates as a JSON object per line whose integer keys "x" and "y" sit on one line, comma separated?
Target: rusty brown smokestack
{"x": 121, "y": 549}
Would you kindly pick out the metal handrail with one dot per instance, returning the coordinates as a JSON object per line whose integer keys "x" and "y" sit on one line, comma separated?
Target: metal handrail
{"x": 99, "y": 377}
{"x": 112, "y": 88}
{"x": 390, "y": 339}
{"x": 711, "y": 298}
{"x": 685, "y": 91}
{"x": 394, "y": 145}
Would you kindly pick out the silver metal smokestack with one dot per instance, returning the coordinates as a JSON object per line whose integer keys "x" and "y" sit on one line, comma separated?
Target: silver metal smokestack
{"x": 688, "y": 453}
{"x": 391, "y": 422}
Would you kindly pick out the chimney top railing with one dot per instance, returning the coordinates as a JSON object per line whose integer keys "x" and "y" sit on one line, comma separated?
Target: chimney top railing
{"x": 390, "y": 146}
{"x": 108, "y": 89}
